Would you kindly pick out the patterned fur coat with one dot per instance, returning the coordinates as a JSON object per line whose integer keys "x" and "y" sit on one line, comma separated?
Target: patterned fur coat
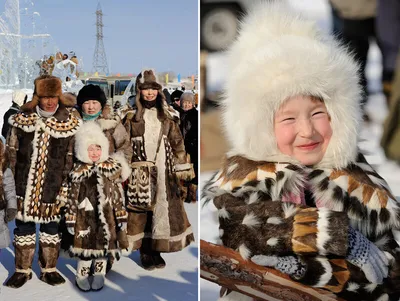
{"x": 263, "y": 209}
{"x": 95, "y": 207}
{"x": 171, "y": 230}
{"x": 41, "y": 153}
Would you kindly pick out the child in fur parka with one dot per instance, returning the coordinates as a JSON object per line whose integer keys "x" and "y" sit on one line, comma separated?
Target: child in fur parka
{"x": 294, "y": 193}
{"x": 95, "y": 215}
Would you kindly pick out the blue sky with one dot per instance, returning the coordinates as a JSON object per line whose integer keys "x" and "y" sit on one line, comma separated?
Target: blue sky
{"x": 161, "y": 34}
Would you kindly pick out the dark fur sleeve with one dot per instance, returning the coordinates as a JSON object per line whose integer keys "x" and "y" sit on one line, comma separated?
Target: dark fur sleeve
{"x": 258, "y": 226}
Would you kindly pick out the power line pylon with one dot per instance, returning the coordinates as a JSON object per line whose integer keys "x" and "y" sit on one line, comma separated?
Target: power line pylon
{"x": 100, "y": 64}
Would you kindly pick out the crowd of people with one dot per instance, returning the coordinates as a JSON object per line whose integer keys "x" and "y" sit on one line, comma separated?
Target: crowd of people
{"x": 99, "y": 182}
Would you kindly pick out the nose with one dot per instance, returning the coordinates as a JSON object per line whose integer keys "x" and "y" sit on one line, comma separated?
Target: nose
{"x": 306, "y": 128}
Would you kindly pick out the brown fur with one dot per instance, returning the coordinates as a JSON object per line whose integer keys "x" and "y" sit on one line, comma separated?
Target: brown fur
{"x": 69, "y": 99}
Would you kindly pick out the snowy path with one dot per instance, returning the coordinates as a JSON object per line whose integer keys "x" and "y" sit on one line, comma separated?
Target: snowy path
{"x": 126, "y": 281}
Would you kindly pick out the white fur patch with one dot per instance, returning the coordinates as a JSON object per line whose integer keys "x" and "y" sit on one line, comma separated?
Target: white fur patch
{"x": 326, "y": 276}
{"x": 353, "y": 287}
{"x": 244, "y": 251}
{"x": 126, "y": 169}
{"x": 231, "y": 168}
{"x": 289, "y": 210}
{"x": 221, "y": 232}
{"x": 223, "y": 213}
{"x": 253, "y": 198}
{"x": 384, "y": 297}
{"x": 370, "y": 287}
{"x": 323, "y": 230}
{"x": 274, "y": 220}
{"x": 273, "y": 241}
{"x": 250, "y": 220}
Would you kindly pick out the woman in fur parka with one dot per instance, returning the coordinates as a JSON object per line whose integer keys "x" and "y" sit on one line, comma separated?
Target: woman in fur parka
{"x": 294, "y": 193}
{"x": 96, "y": 215}
{"x": 156, "y": 140}
{"x": 92, "y": 106}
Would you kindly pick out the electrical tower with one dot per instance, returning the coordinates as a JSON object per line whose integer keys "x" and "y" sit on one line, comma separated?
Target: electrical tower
{"x": 99, "y": 57}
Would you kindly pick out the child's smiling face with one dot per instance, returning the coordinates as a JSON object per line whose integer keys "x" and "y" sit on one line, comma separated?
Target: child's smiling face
{"x": 94, "y": 152}
{"x": 302, "y": 129}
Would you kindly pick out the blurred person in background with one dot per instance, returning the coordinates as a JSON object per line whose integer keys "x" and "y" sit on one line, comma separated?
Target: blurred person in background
{"x": 357, "y": 30}
{"x": 189, "y": 128}
{"x": 18, "y": 100}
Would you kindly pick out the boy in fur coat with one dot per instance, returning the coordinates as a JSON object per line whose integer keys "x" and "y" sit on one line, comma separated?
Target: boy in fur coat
{"x": 95, "y": 214}
{"x": 293, "y": 192}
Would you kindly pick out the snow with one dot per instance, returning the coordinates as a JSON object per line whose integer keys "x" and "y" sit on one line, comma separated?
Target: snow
{"x": 126, "y": 281}
{"x": 370, "y": 133}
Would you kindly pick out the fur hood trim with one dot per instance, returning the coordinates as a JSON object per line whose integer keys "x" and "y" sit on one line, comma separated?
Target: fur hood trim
{"x": 277, "y": 55}
{"x": 90, "y": 133}
{"x": 110, "y": 168}
{"x": 357, "y": 189}
{"x": 125, "y": 168}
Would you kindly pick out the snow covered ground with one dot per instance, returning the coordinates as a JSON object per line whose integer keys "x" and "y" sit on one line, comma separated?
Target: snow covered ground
{"x": 126, "y": 281}
{"x": 370, "y": 133}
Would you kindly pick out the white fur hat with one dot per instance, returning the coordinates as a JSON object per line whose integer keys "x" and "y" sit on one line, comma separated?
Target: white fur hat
{"x": 90, "y": 133}
{"x": 279, "y": 54}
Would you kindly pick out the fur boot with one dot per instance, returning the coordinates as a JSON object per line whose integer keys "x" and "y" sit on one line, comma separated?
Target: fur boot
{"x": 159, "y": 262}
{"x": 49, "y": 247}
{"x": 82, "y": 275}
{"x": 99, "y": 274}
{"x": 146, "y": 258}
{"x": 24, "y": 252}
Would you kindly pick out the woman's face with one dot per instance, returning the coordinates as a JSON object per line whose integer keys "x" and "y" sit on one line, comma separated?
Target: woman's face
{"x": 303, "y": 129}
{"x": 149, "y": 94}
{"x": 187, "y": 105}
{"x": 91, "y": 107}
{"x": 94, "y": 152}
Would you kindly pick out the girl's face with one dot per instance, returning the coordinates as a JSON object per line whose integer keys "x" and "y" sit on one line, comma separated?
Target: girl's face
{"x": 303, "y": 129}
{"x": 91, "y": 107}
{"x": 149, "y": 94}
{"x": 94, "y": 152}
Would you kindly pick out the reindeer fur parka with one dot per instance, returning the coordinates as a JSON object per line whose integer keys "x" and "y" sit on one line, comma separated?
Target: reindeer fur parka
{"x": 95, "y": 204}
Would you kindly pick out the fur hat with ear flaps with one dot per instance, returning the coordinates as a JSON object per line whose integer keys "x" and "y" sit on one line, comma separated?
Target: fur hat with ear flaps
{"x": 90, "y": 133}
{"x": 277, "y": 55}
{"x": 147, "y": 79}
{"x": 45, "y": 86}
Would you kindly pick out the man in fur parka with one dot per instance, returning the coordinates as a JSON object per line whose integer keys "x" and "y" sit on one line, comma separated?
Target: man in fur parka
{"x": 155, "y": 136}
{"x": 96, "y": 215}
{"x": 40, "y": 145}
{"x": 293, "y": 192}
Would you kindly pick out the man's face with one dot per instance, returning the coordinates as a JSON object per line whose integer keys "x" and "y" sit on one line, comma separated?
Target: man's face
{"x": 48, "y": 103}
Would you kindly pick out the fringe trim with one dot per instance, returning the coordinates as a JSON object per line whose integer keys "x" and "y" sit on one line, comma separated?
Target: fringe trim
{"x": 25, "y": 271}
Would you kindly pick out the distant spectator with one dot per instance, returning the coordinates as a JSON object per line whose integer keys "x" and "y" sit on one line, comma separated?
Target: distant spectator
{"x": 65, "y": 56}
{"x": 175, "y": 100}
{"x": 189, "y": 128}
{"x": 18, "y": 100}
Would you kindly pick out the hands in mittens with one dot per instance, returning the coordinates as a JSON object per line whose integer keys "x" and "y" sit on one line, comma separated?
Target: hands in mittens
{"x": 366, "y": 255}
{"x": 289, "y": 265}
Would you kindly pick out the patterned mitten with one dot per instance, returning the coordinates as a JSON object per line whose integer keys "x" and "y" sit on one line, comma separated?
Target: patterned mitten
{"x": 289, "y": 265}
{"x": 364, "y": 254}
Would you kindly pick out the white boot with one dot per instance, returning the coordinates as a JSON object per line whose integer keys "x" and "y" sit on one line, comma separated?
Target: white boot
{"x": 99, "y": 274}
{"x": 82, "y": 275}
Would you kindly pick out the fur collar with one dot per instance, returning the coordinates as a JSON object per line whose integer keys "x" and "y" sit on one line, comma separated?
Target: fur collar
{"x": 357, "y": 189}
{"x": 110, "y": 169}
{"x": 58, "y": 128}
